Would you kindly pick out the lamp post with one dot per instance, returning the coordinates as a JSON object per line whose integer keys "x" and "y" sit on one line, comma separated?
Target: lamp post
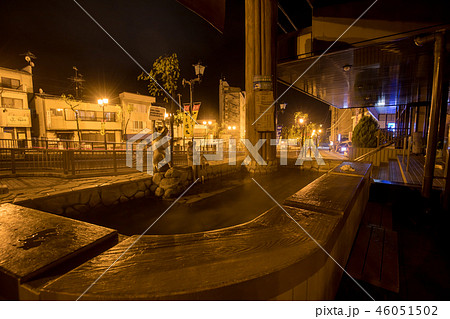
{"x": 199, "y": 71}
{"x": 301, "y": 121}
{"x": 102, "y": 103}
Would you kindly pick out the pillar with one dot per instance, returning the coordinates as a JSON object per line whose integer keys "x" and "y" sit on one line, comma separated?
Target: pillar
{"x": 260, "y": 50}
{"x": 436, "y": 100}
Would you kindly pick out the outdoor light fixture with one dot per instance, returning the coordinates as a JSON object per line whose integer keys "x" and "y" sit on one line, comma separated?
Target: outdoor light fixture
{"x": 102, "y": 101}
{"x": 199, "y": 69}
{"x": 204, "y": 122}
{"x": 209, "y": 122}
{"x": 234, "y": 127}
{"x": 283, "y": 106}
{"x": 301, "y": 121}
{"x": 229, "y": 127}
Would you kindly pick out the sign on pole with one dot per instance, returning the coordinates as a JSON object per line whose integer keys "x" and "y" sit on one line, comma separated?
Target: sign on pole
{"x": 190, "y": 118}
{"x": 156, "y": 113}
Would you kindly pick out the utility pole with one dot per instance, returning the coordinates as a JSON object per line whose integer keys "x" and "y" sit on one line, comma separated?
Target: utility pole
{"x": 77, "y": 80}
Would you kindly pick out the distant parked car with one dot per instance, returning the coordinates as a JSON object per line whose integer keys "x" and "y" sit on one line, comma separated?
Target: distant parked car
{"x": 343, "y": 147}
{"x": 324, "y": 146}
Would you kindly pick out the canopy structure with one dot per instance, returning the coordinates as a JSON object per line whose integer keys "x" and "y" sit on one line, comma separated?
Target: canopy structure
{"x": 379, "y": 76}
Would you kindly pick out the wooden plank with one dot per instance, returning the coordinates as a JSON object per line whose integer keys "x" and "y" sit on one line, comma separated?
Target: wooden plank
{"x": 325, "y": 194}
{"x": 223, "y": 264}
{"x": 386, "y": 217}
{"x": 374, "y": 213}
{"x": 34, "y": 242}
{"x": 395, "y": 172}
{"x": 390, "y": 270}
{"x": 355, "y": 264}
{"x": 374, "y": 257}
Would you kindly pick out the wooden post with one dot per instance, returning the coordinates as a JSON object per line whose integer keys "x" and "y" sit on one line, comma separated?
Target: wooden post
{"x": 409, "y": 153}
{"x": 72, "y": 160}
{"x": 436, "y": 100}
{"x": 13, "y": 161}
{"x": 65, "y": 161}
{"x": 115, "y": 158}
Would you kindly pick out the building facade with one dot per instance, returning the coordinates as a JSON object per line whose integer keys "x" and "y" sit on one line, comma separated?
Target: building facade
{"x": 15, "y": 117}
{"x": 56, "y": 119}
{"x": 232, "y": 109}
{"x": 134, "y": 116}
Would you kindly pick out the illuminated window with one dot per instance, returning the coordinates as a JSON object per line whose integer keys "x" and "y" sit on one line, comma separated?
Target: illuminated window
{"x": 57, "y": 112}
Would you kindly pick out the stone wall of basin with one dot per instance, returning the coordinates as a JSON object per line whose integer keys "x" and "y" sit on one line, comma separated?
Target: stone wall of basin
{"x": 79, "y": 201}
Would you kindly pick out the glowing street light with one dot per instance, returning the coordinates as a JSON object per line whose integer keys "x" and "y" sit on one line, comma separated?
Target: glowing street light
{"x": 102, "y": 103}
{"x": 301, "y": 121}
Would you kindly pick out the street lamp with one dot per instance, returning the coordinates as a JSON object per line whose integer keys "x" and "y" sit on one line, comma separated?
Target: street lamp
{"x": 199, "y": 71}
{"x": 102, "y": 103}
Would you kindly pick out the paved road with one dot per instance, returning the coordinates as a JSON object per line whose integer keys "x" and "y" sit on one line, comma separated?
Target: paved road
{"x": 241, "y": 203}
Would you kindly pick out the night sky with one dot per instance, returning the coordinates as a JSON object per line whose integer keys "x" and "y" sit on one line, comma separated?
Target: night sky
{"x": 61, "y": 35}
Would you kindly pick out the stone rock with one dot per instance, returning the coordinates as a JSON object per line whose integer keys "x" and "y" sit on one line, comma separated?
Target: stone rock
{"x": 85, "y": 196}
{"x": 123, "y": 199}
{"x": 159, "y": 192}
{"x": 157, "y": 178}
{"x": 171, "y": 192}
{"x": 69, "y": 211}
{"x": 95, "y": 199}
{"x": 110, "y": 195}
{"x": 148, "y": 182}
{"x": 141, "y": 186}
{"x": 54, "y": 205}
{"x": 148, "y": 193}
{"x": 139, "y": 194}
{"x": 129, "y": 189}
{"x": 153, "y": 188}
{"x": 72, "y": 198}
{"x": 173, "y": 172}
{"x": 170, "y": 182}
{"x": 81, "y": 208}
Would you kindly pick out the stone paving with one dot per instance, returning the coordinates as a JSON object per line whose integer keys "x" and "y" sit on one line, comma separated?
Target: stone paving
{"x": 26, "y": 188}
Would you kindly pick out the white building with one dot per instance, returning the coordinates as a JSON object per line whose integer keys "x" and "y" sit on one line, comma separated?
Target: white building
{"x": 56, "y": 119}
{"x": 135, "y": 112}
{"x": 15, "y": 117}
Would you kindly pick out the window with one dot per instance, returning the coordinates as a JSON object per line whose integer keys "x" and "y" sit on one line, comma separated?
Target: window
{"x": 10, "y": 83}
{"x": 87, "y": 115}
{"x": 12, "y": 103}
{"x": 110, "y": 116}
{"x": 57, "y": 112}
{"x": 139, "y": 107}
{"x": 138, "y": 125}
{"x": 69, "y": 115}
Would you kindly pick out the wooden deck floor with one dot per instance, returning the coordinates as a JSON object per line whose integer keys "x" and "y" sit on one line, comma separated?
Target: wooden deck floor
{"x": 374, "y": 256}
{"x": 413, "y": 174}
{"x": 388, "y": 172}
